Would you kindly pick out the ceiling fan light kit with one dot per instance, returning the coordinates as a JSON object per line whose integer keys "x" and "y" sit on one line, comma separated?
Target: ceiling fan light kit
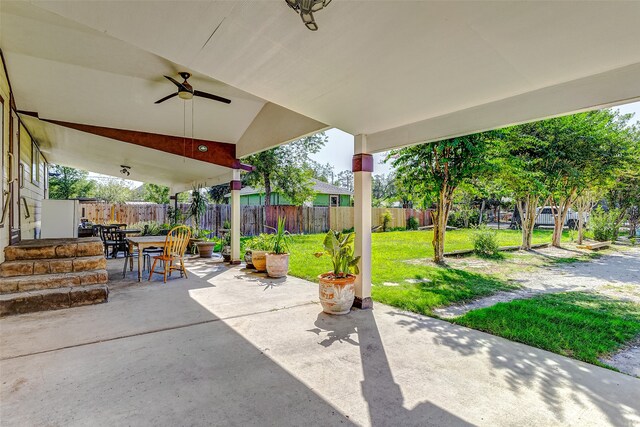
{"x": 186, "y": 91}
{"x": 306, "y": 8}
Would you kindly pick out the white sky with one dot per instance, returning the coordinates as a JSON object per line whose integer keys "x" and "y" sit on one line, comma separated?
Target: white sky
{"x": 339, "y": 149}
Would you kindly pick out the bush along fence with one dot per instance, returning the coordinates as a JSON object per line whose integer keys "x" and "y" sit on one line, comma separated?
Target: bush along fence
{"x": 253, "y": 219}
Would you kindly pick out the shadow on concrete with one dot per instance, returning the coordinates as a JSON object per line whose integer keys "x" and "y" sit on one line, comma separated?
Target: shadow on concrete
{"x": 157, "y": 358}
{"x": 521, "y": 370}
{"x": 383, "y": 395}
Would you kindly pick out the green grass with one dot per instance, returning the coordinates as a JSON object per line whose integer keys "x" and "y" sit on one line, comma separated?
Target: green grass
{"x": 401, "y": 255}
{"x": 575, "y": 324}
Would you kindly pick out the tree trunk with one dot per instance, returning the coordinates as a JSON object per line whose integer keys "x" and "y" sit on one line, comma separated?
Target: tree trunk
{"x": 481, "y": 212}
{"x": 560, "y": 211}
{"x": 527, "y": 209}
{"x": 267, "y": 190}
{"x": 440, "y": 216}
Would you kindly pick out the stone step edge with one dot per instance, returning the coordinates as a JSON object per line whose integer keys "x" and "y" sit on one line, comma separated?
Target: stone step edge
{"x": 35, "y": 267}
{"x": 62, "y": 250}
{"x": 52, "y": 299}
{"x": 52, "y": 281}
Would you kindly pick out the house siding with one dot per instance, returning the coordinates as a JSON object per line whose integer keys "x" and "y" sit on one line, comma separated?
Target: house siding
{"x": 4, "y": 161}
{"x": 33, "y": 179}
{"x": 280, "y": 200}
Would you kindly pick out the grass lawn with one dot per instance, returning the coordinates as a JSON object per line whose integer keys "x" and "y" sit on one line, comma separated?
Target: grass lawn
{"x": 575, "y": 324}
{"x": 403, "y": 259}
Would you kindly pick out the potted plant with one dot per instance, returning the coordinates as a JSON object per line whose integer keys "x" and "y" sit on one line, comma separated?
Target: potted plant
{"x": 337, "y": 287}
{"x": 197, "y": 208}
{"x": 259, "y": 246}
{"x": 225, "y": 236}
{"x": 206, "y": 247}
{"x": 278, "y": 258}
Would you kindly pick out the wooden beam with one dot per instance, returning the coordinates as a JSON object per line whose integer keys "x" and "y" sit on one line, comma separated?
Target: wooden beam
{"x": 217, "y": 153}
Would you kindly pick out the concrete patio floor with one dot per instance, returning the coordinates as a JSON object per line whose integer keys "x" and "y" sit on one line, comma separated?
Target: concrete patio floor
{"x": 229, "y": 347}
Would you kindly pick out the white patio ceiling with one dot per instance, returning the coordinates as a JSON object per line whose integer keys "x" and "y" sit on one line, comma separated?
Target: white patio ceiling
{"x": 401, "y": 72}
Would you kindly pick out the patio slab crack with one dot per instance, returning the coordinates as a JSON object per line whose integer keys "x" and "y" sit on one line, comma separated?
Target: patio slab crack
{"x": 155, "y": 331}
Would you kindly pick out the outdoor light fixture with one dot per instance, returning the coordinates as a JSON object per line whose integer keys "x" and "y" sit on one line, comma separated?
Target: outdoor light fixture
{"x": 203, "y": 148}
{"x": 125, "y": 170}
{"x": 306, "y": 8}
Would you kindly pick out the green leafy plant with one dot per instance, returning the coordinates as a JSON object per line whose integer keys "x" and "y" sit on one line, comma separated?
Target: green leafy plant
{"x": 281, "y": 239}
{"x": 412, "y": 223}
{"x": 485, "y": 242}
{"x": 198, "y": 206}
{"x": 339, "y": 246}
{"x": 603, "y": 224}
{"x": 386, "y": 219}
{"x": 261, "y": 242}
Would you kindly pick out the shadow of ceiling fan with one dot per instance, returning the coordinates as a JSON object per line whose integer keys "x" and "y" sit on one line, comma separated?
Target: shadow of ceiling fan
{"x": 186, "y": 91}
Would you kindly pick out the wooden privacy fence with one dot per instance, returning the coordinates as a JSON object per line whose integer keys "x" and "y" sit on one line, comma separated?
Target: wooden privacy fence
{"x": 342, "y": 218}
{"x": 253, "y": 219}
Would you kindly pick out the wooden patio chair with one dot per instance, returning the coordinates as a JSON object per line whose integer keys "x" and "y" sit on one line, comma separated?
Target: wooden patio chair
{"x": 174, "y": 248}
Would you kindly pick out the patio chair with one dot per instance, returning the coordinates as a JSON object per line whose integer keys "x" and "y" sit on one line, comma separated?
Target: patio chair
{"x": 129, "y": 256}
{"x": 174, "y": 249}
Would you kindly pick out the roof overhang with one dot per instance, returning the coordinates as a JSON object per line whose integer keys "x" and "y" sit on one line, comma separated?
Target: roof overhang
{"x": 401, "y": 73}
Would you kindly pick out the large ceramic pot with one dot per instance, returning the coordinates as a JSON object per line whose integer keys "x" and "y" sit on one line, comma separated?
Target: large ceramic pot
{"x": 259, "y": 259}
{"x": 277, "y": 265}
{"x": 205, "y": 249}
{"x": 248, "y": 259}
{"x": 336, "y": 294}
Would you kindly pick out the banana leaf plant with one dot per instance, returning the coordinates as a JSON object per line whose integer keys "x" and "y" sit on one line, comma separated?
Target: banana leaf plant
{"x": 340, "y": 248}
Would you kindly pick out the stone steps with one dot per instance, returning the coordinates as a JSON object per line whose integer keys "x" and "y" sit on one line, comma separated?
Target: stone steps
{"x": 52, "y": 266}
{"x": 54, "y": 248}
{"x": 52, "y": 299}
{"x": 50, "y": 274}
{"x": 50, "y": 281}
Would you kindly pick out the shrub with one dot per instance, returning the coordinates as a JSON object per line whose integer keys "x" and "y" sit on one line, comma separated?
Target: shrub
{"x": 485, "y": 242}
{"x": 386, "y": 219}
{"x": 603, "y": 224}
{"x": 412, "y": 223}
{"x": 464, "y": 218}
{"x": 150, "y": 228}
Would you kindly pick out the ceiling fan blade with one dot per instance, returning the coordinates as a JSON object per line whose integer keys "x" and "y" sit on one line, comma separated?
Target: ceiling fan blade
{"x": 175, "y": 82}
{"x": 210, "y": 96}
{"x": 166, "y": 97}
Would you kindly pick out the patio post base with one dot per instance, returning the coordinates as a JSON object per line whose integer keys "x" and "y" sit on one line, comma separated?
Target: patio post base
{"x": 363, "y": 303}
{"x": 235, "y": 262}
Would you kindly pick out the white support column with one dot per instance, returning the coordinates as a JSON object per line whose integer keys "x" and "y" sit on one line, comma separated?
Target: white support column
{"x": 362, "y": 169}
{"x": 235, "y": 185}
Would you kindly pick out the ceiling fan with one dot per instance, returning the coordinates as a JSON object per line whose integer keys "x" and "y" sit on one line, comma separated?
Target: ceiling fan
{"x": 185, "y": 91}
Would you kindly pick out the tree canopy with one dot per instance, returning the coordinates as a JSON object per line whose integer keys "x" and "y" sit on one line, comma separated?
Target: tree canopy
{"x": 285, "y": 169}
{"x": 69, "y": 183}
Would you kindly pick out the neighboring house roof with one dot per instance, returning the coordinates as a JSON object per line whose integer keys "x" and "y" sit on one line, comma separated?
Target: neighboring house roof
{"x": 318, "y": 186}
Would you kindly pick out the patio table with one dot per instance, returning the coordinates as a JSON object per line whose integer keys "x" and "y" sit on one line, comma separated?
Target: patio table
{"x": 142, "y": 243}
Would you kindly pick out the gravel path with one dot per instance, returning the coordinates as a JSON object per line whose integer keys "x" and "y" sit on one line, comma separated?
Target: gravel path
{"x": 615, "y": 275}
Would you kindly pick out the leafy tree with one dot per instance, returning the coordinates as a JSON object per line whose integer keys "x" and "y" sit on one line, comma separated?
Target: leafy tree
{"x": 113, "y": 191}
{"x": 67, "y": 183}
{"x": 518, "y": 157}
{"x": 436, "y": 169}
{"x": 155, "y": 193}
{"x": 285, "y": 169}
{"x": 558, "y": 160}
{"x": 344, "y": 179}
{"x": 324, "y": 173}
{"x": 217, "y": 193}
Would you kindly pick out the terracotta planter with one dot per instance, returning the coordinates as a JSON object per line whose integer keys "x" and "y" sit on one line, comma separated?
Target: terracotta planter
{"x": 277, "y": 265}
{"x": 259, "y": 259}
{"x": 205, "y": 249}
{"x": 336, "y": 294}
